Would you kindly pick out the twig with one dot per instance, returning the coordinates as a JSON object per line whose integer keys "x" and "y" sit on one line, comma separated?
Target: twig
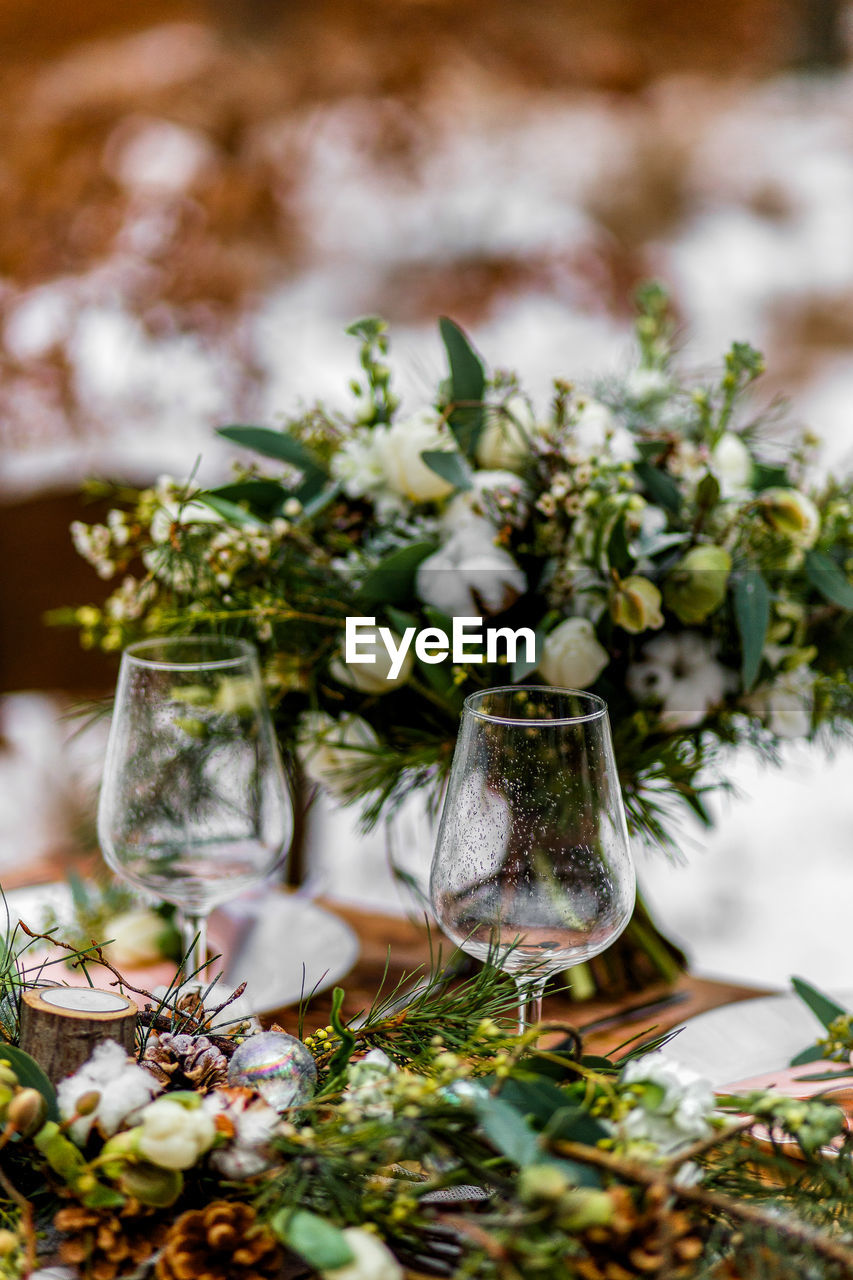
{"x": 728, "y": 1206}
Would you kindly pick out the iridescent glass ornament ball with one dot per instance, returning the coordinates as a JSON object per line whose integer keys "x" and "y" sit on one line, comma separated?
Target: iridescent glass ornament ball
{"x": 278, "y": 1066}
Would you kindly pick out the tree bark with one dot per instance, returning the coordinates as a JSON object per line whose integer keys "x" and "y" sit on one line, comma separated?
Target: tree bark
{"x": 61, "y": 1026}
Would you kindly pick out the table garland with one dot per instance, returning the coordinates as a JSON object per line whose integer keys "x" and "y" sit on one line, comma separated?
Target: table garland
{"x": 419, "y": 1135}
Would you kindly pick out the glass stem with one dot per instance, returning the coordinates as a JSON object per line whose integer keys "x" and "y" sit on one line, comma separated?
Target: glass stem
{"x": 530, "y": 992}
{"x": 195, "y": 948}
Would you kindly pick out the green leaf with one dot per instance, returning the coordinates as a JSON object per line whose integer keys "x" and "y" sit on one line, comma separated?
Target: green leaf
{"x": 823, "y": 1007}
{"x": 346, "y": 1037}
{"x": 660, "y": 487}
{"x": 393, "y": 579}
{"x": 322, "y": 1245}
{"x": 30, "y": 1075}
{"x": 814, "y": 1053}
{"x": 830, "y": 579}
{"x": 752, "y": 611}
{"x": 265, "y": 497}
{"x": 101, "y": 1197}
{"x": 537, "y": 1098}
{"x": 508, "y": 1131}
{"x": 648, "y": 545}
{"x": 229, "y": 510}
{"x": 521, "y": 668}
{"x": 468, "y": 385}
{"x": 764, "y": 477}
{"x": 708, "y": 491}
{"x": 511, "y": 1135}
{"x": 618, "y": 553}
{"x": 575, "y": 1124}
{"x": 274, "y": 444}
{"x": 451, "y": 466}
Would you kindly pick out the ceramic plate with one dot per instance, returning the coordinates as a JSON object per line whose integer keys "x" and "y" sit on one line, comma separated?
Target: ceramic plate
{"x": 279, "y": 944}
{"x": 752, "y": 1038}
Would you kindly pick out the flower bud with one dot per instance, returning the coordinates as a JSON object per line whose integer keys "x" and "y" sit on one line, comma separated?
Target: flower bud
{"x": 6, "y": 1096}
{"x": 697, "y": 584}
{"x": 542, "y": 1182}
{"x": 572, "y": 656}
{"x": 27, "y": 1111}
{"x": 87, "y": 1103}
{"x": 584, "y": 1208}
{"x": 150, "y": 1184}
{"x": 635, "y": 605}
{"x": 791, "y": 514}
{"x": 7, "y": 1073}
{"x": 9, "y": 1242}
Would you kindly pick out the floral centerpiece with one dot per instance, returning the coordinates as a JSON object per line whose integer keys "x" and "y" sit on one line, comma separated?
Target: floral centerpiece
{"x": 377, "y": 1146}
{"x": 649, "y": 541}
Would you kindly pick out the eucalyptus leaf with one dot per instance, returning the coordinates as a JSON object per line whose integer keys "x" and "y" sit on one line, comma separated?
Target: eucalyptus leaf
{"x": 392, "y": 580}
{"x": 322, "y": 1245}
{"x": 814, "y": 1053}
{"x": 265, "y": 497}
{"x": 451, "y": 466}
{"x": 511, "y": 1135}
{"x": 274, "y": 444}
{"x": 830, "y": 579}
{"x": 822, "y": 1006}
{"x": 230, "y": 510}
{"x": 649, "y": 545}
{"x": 467, "y": 384}
{"x": 660, "y": 487}
{"x": 752, "y": 611}
{"x": 764, "y": 477}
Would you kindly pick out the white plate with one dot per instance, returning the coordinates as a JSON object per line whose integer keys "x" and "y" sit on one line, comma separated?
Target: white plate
{"x": 282, "y": 944}
{"x": 749, "y": 1038}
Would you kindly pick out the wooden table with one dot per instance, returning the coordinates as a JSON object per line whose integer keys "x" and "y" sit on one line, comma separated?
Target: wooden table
{"x": 402, "y": 945}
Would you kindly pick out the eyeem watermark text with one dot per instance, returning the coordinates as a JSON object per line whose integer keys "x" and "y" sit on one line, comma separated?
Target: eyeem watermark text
{"x": 469, "y": 641}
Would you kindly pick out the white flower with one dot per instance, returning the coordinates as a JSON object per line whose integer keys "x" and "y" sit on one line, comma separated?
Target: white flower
{"x": 136, "y": 935}
{"x": 681, "y": 674}
{"x": 596, "y": 430}
{"x": 788, "y": 703}
{"x": 123, "y": 1087}
{"x": 674, "y": 1103}
{"x": 173, "y": 1135}
{"x": 375, "y": 676}
{"x": 572, "y": 657}
{"x": 470, "y": 575}
{"x": 643, "y": 385}
{"x": 372, "y": 1260}
{"x": 505, "y": 441}
{"x": 359, "y": 465}
{"x": 253, "y": 1123}
{"x": 175, "y": 507}
{"x": 370, "y": 1081}
{"x": 731, "y": 463}
{"x": 329, "y": 747}
{"x": 401, "y": 447}
{"x": 493, "y": 496}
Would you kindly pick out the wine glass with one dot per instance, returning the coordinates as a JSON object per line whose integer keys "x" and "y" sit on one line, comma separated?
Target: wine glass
{"x": 532, "y": 864}
{"x": 194, "y": 806}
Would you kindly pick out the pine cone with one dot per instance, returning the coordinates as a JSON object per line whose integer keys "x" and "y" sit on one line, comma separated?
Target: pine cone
{"x": 220, "y": 1242}
{"x": 647, "y": 1239}
{"x": 185, "y": 1062}
{"x": 105, "y": 1243}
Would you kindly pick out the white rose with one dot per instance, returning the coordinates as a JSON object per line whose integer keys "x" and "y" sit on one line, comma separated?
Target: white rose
{"x": 731, "y": 463}
{"x": 572, "y": 657}
{"x": 328, "y": 747}
{"x": 505, "y": 442}
{"x": 372, "y": 1260}
{"x": 137, "y": 935}
{"x": 469, "y": 575}
{"x": 401, "y": 447}
{"x": 174, "y": 1136}
{"x": 374, "y": 676}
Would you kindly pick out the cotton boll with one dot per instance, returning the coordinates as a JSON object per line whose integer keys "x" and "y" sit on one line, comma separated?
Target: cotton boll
{"x": 469, "y": 575}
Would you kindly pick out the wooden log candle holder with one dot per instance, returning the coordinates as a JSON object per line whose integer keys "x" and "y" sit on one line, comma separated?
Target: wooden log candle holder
{"x": 60, "y": 1026}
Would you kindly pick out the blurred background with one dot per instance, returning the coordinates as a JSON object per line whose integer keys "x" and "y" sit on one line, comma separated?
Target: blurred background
{"x": 196, "y": 198}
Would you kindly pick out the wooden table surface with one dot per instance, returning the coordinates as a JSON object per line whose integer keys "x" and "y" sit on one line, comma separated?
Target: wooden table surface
{"x": 402, "y": 945}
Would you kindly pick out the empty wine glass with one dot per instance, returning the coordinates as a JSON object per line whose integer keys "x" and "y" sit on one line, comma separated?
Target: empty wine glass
{"x": 194, "y": 806}
{"x": 532, "y": 863}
